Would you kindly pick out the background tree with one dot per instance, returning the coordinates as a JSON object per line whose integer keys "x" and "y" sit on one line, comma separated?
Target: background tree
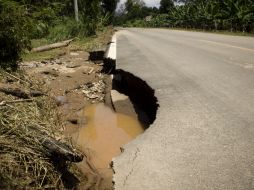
{"x": 23, "y": 20}
{"x": 14, "y": 33}
{"x": 109, "y": 7}
{"x": 232, "y": 15}
{"x": 76, "y": 10}
{"x": 166, "y": 6}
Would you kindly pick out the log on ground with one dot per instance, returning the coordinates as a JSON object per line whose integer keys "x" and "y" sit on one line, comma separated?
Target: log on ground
{"x": 52, "y": 46}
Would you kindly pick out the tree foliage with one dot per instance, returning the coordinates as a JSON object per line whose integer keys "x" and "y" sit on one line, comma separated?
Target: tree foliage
{"x": 109, "y": 7}
{"x": 22, "y": 20}
{"x": 14, "y": 33}
{"x": 166, "y": 6}
{"x": 133, "y": 10}
{"x": 232, "y": 15}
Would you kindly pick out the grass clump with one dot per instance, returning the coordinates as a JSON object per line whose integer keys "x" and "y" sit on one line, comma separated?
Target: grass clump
{"x": 24, "y": 162}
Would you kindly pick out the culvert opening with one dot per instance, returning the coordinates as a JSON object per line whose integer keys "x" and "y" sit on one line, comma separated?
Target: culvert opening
{"x": 140, "y": 93}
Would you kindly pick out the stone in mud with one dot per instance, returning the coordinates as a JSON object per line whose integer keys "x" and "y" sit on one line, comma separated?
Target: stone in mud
{"x": 87, "y": 70}
{"x": 73, "y": 65}
{"x": 77, "y": 121}
{"x": 60, "y": 100}
{"x": 44, "y": 62}
{"x": 58, "y": 62}
{"x": 74, "y": 54}
{"x": 31, "y": 64}
{"x": 50, "y": 72}
{"x": 73, "y": 121}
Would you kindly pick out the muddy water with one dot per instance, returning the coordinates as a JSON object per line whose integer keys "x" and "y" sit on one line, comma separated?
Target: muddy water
{"x": 103, "y": 135}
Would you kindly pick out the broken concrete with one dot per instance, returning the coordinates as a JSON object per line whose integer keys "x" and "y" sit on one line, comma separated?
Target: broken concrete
{"x": 122, "y": 104}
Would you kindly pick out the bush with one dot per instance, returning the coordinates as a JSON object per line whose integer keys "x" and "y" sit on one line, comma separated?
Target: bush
{"x": 66, "y": 29}
{"x": 69, "y": 28}
{"x": 14, "y": 33}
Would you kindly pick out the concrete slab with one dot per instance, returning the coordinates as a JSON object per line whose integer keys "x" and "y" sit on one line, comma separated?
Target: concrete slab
{"x": 122, "y": 104}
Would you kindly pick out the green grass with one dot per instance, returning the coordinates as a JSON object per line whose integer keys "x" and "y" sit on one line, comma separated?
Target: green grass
{"x": 78, "y": 44}
{"x": 96, "y": 42}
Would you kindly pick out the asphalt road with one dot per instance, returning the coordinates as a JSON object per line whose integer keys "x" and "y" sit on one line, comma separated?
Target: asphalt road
{"x": 203, "y": 137}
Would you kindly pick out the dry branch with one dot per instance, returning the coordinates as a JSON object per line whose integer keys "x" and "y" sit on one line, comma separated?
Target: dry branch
{"x": 52, "y": 46}
{"x": 17, "y": 78}
{"x": 3, "y": 103}
{"x": 21, "y": 93}
{"x": 57, "y": 150}
{"x": 60, "y": 150}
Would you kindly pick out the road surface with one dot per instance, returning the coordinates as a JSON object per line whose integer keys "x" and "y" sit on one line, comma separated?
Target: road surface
{"x": 203, "y": 137}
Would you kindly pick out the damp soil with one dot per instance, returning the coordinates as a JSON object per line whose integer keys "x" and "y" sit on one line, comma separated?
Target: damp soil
{"x": 102, "y": 137}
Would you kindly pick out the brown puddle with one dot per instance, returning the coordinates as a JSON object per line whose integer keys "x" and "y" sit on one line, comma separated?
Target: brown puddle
{"x": 102, "y": 137}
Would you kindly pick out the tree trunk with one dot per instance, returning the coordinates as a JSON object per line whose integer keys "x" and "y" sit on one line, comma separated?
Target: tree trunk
{"x": 76, "y": 10}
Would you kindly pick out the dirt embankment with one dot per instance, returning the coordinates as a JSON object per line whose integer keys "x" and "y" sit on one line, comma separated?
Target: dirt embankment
{"x": 74, "y": 82}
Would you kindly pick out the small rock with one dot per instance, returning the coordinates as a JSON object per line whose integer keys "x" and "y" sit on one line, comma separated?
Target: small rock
{"x": 73, "y": 120}
{"x": 60, "y": 100}
{"x": 74, "y": 54}
{"x": 58, "y": 61}
{"x": 50, "y": 72}
{"x": 73, "y": 65}
{"x": 88, "y": 70}
{"x": 76, "y": 121}
{"x": 52, "y": 62}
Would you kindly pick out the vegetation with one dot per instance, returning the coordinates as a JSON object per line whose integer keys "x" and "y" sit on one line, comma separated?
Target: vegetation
{"x": 90, "y": 43}
{"x": 230, "y": 15}
{"x": 24, "y": 162}
{"x": 14, "y": 33}
{"x": 24, "y": 20}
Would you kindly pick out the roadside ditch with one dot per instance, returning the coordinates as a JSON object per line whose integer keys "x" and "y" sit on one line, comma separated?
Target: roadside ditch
{"x": 128, "y": 109}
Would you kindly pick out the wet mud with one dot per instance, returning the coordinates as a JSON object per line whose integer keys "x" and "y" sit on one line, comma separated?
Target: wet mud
{"x": 102, "y": 137}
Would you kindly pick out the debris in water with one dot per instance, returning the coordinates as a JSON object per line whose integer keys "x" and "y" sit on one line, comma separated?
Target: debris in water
{"x": 94, "y": 90}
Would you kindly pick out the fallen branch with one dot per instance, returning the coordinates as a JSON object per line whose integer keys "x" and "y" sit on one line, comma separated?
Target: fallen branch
{"x": 19, "y": 79}
{"x": 52, "y": 46}
{"x": 3, "y": 103}
{"x": 58, "y": 151}
{"x": 21, "y": 93}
